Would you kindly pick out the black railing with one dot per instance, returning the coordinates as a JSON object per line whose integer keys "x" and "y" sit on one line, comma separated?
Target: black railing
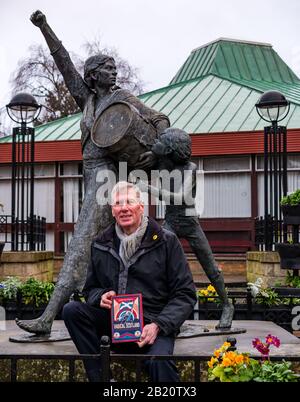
{"x": 24, "y": 235}
{"x": 107, "y": 358}
{"x": 267, "y": 234}
{"x": 5, "y": 225}
{"x": 246, "y": 308}
{"x": 277, "y": 232}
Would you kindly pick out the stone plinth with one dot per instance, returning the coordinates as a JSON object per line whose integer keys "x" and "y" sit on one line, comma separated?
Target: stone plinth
{"x": 27, "y": 264}
{"x": 200, "y": 346}
{"x": 264, "y": 265}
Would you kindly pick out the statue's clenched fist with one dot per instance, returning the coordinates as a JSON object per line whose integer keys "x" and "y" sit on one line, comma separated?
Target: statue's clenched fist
{"x": 38, "y": 18}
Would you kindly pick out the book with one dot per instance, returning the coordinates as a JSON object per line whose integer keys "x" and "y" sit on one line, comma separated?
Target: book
{"x": 127, "y": 318}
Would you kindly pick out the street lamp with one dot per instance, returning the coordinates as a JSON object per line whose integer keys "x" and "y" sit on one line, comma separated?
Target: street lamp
{"x": 273, "y": 107}
{"x": 23, "y": 109}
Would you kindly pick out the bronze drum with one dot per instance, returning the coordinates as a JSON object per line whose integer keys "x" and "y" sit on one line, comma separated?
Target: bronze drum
{"x": 124, "y": 132}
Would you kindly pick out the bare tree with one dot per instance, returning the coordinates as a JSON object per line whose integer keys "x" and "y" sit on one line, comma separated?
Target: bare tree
{"x": 39, "y": 75}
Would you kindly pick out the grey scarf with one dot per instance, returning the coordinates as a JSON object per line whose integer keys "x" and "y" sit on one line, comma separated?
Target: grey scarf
{"x": 130, "y": 243}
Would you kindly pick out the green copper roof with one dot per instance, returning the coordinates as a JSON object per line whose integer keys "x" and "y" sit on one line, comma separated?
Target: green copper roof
{"x": 212, "y": 104}
{"x": 214, "y": 91}
{"x": 67, "y": 128}
{"x": 229, "y": 58}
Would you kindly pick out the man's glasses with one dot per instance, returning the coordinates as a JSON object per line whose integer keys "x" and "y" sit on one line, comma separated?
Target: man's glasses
{"x": 130, "y": 202}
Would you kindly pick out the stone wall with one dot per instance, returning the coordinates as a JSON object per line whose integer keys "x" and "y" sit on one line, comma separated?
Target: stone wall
{"x": 265, "y": 265}
{"x": 232, "y": 266}
{"x": 27, "y": 264}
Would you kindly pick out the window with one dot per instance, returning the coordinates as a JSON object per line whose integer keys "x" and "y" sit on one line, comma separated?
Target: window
{"x": 227, "y": 187}
{"x": 225, "y": 164}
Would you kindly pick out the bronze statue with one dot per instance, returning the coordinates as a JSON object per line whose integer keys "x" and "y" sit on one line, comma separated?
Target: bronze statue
{"x": 94, "y": 94}
{"x": 174, "y": 151}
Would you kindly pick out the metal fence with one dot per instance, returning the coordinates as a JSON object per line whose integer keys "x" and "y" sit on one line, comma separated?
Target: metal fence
{"x": 267, "y": 235}
{"x": 24, "y": 235}
{"x": 107, "y": 358}
{"x": 247, "y": 308}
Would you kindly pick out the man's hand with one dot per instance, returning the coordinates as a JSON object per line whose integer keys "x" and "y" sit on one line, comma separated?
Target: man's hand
{"x": 105, "y": 301}
{"x": 38, "y": 18}
{"x": 149, "y": 335}
{"x": 146, "y": 160}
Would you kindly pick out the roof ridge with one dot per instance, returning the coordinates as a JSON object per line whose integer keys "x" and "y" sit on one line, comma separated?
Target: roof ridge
{"x": 175, "y": 85}
{"x": 223, "y": 39}
{"x": 238, "y": 58}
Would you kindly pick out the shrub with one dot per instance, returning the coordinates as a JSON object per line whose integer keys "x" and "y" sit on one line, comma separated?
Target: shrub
{"x": 291, "y": 199}
{"x": 32, "y": 291}
{"x": 9, "y": 289}
{"x": 36, "y": 292}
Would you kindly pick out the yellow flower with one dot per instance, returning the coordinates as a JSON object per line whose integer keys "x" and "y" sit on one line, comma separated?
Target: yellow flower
{"x": 210, "y": 288}
{"x": 231, "y": 355}
{"x": 239, "y": 359}
{"x": 212, "y": 361}
{"x": 217, "y": 353}
{"x": 225, "y": 346}
{"x": 226, "y": 362}
{"x": 205, "y": 293}
{"x": 246, "y": 359}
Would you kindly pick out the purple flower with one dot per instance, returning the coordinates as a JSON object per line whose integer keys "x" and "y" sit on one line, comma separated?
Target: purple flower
{"x": 264, "y": 348}
{"x": 273, "y": 340}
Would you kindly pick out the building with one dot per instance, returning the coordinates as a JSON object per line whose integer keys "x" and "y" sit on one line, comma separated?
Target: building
{"x": 212, "y": 97}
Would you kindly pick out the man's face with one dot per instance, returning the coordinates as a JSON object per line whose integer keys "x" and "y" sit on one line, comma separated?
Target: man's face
{"x": 127, "y": 210}
{"x": 105, "y": 75}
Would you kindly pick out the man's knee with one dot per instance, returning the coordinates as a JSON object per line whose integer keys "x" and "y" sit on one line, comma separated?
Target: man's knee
{"x": 70, "y": 310}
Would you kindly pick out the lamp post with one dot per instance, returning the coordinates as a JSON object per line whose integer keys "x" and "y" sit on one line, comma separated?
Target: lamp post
{"x": 22, "y": 109}
{"x": 273, "y": 108}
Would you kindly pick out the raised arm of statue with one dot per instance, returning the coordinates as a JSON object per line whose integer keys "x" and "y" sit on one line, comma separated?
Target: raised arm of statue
{"x": 175, "y": 198}
{"x": 75, "y": 83}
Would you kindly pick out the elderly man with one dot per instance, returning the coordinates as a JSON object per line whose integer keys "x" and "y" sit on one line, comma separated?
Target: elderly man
{"x": 134, "y": 255}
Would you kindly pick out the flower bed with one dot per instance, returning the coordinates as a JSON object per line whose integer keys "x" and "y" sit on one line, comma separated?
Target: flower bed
{"x": 231, "y": 366}
{"x": 266, "y": 306}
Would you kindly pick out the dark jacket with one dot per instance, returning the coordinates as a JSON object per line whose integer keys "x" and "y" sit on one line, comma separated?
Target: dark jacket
{"x": 159, "y": 270}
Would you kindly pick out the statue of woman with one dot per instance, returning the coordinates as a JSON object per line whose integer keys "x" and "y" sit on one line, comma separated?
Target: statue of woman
{"x": 93, "y": 94}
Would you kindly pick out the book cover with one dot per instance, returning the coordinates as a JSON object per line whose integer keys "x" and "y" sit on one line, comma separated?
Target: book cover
{"x": 127, "y": 318}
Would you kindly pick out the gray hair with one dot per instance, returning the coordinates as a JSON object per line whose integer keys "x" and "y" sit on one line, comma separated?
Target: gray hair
{"x": 124, "y": 185}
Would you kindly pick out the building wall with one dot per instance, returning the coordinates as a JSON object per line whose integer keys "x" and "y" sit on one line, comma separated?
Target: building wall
{"x": 231, "y": 189}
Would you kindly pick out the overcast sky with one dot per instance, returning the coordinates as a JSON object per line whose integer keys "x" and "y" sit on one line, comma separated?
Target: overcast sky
{"x": 154, "y": 35}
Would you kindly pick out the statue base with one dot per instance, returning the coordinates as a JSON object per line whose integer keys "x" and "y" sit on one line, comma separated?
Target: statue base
{"x": 192, "y": 329}
{"x": 56, "y": 335}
